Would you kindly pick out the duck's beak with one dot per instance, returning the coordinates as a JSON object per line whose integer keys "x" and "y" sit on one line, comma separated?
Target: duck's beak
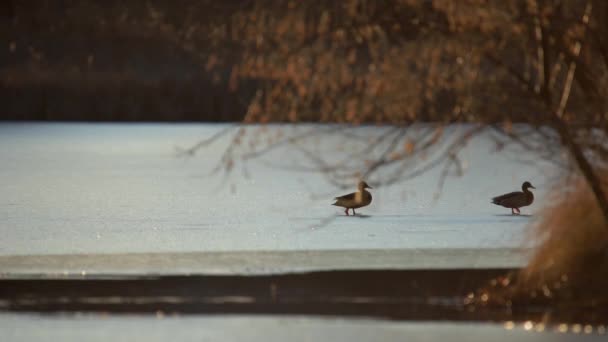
{"x": 368, "y": 187}
{"x": 531, "y": 186}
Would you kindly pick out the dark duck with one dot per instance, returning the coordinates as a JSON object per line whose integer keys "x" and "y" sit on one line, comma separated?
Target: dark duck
{"x": 517, "y": 199}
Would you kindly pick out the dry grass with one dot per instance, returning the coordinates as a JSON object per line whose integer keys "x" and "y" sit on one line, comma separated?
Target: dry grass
{"x": 573, "y": 242}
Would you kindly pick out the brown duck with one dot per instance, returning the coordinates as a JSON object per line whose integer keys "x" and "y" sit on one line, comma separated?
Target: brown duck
{"x": 355, "y": 200}
{"x": 517, "y": 199}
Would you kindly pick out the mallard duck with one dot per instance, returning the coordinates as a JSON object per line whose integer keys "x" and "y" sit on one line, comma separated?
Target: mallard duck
{"x": 358, "y": 199}
{"x": 517, "y": 199}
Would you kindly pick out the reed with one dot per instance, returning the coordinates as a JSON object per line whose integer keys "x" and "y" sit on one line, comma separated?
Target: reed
{"x": 572, "y": 243}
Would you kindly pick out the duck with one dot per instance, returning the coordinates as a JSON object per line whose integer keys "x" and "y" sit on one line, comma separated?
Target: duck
{"x": 355, "y": 200}
{"x": 517, "y": 199}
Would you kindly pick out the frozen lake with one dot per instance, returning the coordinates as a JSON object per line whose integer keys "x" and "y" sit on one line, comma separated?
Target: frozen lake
{"x": 99, "y": 189}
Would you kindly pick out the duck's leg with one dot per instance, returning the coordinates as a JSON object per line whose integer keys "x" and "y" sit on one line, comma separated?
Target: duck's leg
{"x": 512, "y": 211}
{"x": 346, "y": 211}
{"x": 354, "y": 213}
{"x": 518, "y": 211}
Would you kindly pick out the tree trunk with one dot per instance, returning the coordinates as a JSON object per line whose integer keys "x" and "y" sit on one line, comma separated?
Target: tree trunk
{"x": 585, "y": 167}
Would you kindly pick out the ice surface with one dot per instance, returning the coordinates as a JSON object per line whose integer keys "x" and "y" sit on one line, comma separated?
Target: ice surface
{"x": 119, "y": 188}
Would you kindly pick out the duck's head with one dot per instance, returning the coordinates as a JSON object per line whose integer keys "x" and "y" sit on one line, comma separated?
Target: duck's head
{"x": 362, "y": 185}
{"x": 527, "y": 185}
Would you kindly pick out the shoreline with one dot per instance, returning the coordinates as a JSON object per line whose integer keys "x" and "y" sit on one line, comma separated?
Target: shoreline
{"x": 92, "y": 266}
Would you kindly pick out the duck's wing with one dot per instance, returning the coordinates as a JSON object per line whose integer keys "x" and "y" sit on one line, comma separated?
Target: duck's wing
{"x": 348, "y": 197}
{"x": 506, "y": 197}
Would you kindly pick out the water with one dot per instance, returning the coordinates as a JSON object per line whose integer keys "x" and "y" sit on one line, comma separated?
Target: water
{"x": 120, "y": 188}
{"x": 266, "y": 328}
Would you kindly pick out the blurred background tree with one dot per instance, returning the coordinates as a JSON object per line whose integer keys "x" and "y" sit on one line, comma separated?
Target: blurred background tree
{"x": 492, "y": 64}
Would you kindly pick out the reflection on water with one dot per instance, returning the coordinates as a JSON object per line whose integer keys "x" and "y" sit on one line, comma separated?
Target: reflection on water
{"x": 562, "y": 328}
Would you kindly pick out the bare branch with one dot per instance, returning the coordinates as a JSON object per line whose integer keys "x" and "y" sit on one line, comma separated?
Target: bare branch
{"x": 572, "y": 68}
{"x": 190, "y": 151}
